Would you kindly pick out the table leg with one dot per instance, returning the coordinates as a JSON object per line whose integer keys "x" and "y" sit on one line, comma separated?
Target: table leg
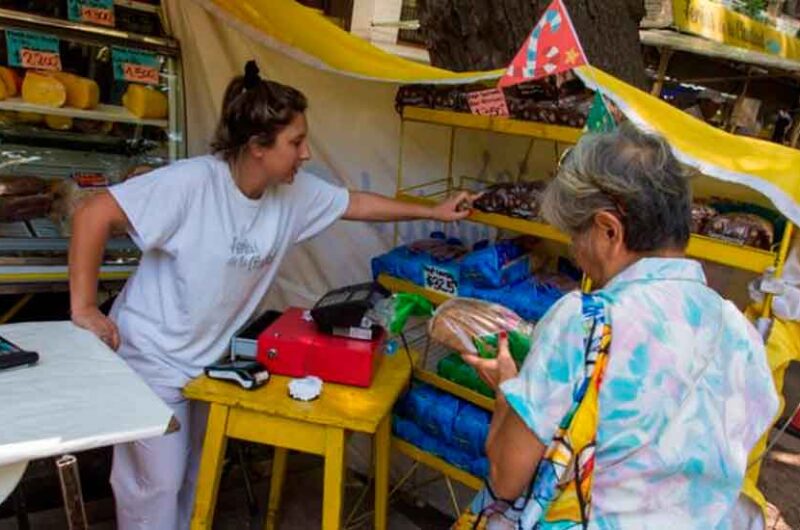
{"x": 382, "y": 444}
{"x": 334, "y": 479}
{"x": 210, "y": 467}
{"x": 276, "y": 486}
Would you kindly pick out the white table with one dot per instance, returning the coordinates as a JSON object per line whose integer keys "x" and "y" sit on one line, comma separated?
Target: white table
{"x": 79, "y": 396}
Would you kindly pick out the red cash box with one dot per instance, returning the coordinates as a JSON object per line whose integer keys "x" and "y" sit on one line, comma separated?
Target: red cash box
{"x": 293, "y": 346}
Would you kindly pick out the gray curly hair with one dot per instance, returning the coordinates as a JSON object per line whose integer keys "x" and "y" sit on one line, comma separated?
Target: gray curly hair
{"x": 628, "y": 172}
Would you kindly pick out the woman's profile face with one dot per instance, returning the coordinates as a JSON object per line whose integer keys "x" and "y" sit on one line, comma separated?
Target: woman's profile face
{"x": 281, "y": 161}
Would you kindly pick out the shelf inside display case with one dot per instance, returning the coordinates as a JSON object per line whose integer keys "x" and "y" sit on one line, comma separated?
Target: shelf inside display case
{"x": 112, "y": 113}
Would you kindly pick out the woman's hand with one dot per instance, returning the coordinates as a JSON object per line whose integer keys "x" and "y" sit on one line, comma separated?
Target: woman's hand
{"x": 455, "y": 208}
{"x": 494, "y": 371}
{"x": 99, "y": 324}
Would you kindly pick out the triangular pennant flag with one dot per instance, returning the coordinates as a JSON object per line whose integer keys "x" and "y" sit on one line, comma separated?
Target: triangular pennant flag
{"x": 552, "y": 47}
{"x": 600, "y": 119}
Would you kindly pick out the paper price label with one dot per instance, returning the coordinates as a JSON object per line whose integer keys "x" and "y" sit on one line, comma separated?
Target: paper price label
{"x": 39, "y": 60}
{"x": 489, "y": 102}
{"x": 100, "y": 12}
{"x": 27, "y": 49}
{"x": 97, "y": 15}
{"x": 135, "y": 66}
{"x": 440, "y": 280}
{"x": 136, "y": 73}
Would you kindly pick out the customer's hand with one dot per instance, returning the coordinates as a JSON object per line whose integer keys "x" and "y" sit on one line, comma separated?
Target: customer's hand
{"x": 99, "y": 324}
{"x": 455, "y": 208}
{"x": 494, "y": 371}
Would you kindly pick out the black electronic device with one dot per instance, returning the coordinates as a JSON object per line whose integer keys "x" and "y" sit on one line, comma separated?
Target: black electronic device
{"x": 246, "y": 373}
{"x": 12, "y": 356}
{"x": 343, "y": 311}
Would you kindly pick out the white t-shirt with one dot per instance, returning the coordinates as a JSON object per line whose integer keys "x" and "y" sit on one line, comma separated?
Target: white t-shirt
{"x": 209, "y": 255}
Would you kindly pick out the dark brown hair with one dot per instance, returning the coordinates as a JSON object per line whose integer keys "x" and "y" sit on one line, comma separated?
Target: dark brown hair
{"x": 254, "y": 108}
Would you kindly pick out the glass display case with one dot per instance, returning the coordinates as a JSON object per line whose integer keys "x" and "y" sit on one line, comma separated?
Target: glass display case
{"x": 85, "y": 102}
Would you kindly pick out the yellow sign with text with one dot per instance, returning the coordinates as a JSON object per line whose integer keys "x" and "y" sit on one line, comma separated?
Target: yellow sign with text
{"x": 716, "y": 22}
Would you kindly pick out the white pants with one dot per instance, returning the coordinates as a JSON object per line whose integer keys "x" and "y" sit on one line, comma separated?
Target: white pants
{"x": 154, "y": 479}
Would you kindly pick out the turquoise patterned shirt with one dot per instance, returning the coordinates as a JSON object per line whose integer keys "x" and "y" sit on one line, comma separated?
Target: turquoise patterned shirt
{"x": 687, "y": 394}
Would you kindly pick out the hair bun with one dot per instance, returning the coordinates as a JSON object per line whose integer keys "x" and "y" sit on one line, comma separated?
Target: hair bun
{"x": 251, "y": 77}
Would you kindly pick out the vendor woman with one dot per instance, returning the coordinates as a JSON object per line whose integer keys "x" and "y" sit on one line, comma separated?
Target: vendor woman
{"x": 213, "y": 231}
{"x": 639, "y": 403}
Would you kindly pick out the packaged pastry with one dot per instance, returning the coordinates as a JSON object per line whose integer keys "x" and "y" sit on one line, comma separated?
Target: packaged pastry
{"x": 518, "y": 199}
{"x": 14, "y": 185}
{"x": 702, "y": 213}
{"x": 24, "y": 207}
{"x": 743, "y": 229}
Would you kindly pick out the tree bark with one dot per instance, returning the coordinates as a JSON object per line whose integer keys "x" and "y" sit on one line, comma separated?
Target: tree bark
{"x": 485, "y": 34}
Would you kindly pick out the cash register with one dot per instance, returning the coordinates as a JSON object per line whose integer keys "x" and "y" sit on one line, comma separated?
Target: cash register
{"x": 335, "y": 341}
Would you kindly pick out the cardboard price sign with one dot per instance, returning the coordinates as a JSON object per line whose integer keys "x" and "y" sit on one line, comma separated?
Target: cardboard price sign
{"x": 440, "y": 280}
{"x": 135, "y": 66}
{"x": 28, "y": 49}
{"x": 136, "y": 73}
{"x": 39, "y": 60}
{"x": 489, "y": 102}
{"x": 100, "y": 12}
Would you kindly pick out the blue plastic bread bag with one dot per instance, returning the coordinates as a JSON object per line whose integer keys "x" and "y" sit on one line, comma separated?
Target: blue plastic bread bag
{"x": 471, "y": 429}
{"x": 503, "y": 263}
{"x": 422, "y": 259}
{"x": 530, "y": 298}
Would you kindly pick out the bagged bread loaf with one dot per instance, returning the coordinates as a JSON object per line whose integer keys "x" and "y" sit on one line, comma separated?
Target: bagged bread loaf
{"x": 472, "y": 326}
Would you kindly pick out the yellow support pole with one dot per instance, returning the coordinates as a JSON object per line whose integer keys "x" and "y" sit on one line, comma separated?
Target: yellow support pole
{"x": 8, "y": 315}
{"x": 783, "y": 252}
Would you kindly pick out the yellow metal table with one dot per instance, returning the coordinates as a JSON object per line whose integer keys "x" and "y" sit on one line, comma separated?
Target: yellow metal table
{"x": 269, "y": 416}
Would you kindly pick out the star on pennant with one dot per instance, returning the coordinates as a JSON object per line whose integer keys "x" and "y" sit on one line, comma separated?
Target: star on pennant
{"x": 571, "y": 56}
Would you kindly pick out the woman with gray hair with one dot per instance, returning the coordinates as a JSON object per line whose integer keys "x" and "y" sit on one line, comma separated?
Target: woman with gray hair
{"x": 640, "y": 402}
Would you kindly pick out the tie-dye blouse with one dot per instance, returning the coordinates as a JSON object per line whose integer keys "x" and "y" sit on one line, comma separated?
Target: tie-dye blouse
{"x": 687, "y": 394}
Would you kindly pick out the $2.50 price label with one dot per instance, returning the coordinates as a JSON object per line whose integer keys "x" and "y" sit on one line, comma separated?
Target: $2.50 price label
{"x": 440, "y": 280}
{"x": 28, "y": 49}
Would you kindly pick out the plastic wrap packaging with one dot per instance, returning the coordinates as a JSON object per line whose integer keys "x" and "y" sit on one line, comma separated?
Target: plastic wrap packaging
{"x": 472, "y": 326}
{"x": 471, "y": 429}
{"x": 504, "y": 263}
{"x": 68, "y": 194}
{"x": 743, "y": 229}
{"x": 519, "y": 199}
{"x": 408, "y": 262}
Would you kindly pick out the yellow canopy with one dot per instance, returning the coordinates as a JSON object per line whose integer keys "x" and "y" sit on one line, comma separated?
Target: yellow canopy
{"x": 305, "y": 35}
{"x": 309, "y": 37}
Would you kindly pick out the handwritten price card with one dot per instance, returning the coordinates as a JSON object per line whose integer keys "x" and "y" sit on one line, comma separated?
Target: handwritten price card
{"x": 27, "y": 49}
{"x": 135, "y": 66}
{"x": 100, "y": 12}
{"x": 489, "y": 102}
{"x": 442, "y": 280}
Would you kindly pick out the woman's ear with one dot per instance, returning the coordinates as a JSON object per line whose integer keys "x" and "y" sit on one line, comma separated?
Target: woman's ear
{"x": 609, "y": 228}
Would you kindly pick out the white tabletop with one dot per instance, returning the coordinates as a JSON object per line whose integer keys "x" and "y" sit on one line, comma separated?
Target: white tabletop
{"x": 79, "y": 396}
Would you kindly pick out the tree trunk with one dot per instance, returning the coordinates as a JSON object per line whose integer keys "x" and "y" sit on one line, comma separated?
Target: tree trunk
{"x": 485, "y": 34}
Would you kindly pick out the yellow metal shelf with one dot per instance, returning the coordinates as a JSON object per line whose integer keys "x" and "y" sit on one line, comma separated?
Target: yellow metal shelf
{"x": 700, "y": 247}
{"x": 397, "y": 285}
{"x": 737, "y": 256}
{"x": 434, "y": 462}
{"x": 558, "y": 133}
{"x": 457, "y": 390}
{"x": 504, "y": 222}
